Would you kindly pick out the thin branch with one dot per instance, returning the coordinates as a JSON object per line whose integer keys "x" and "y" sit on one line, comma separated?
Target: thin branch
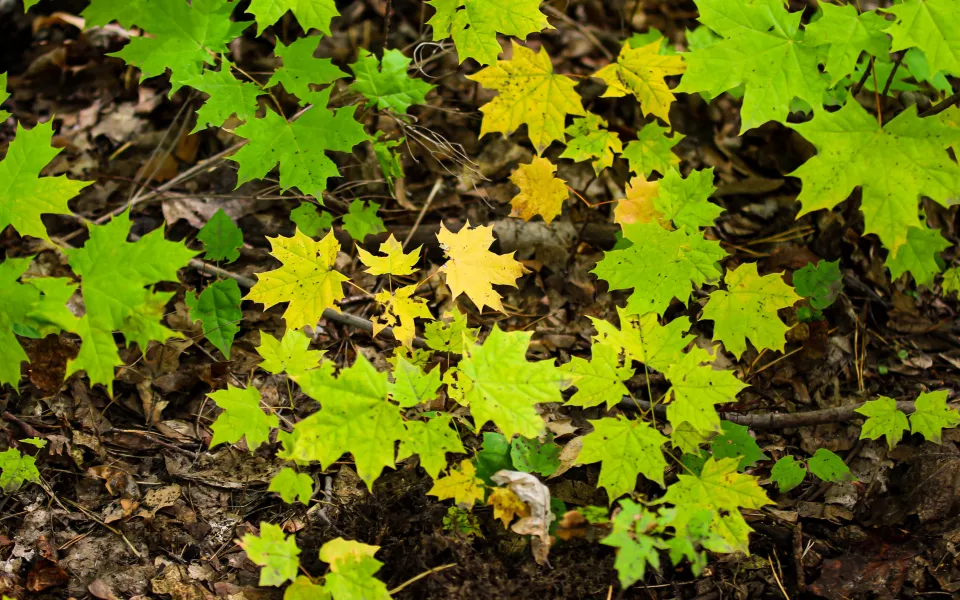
{"x": 893, "y": 73}
{"x": 942, "y": 106}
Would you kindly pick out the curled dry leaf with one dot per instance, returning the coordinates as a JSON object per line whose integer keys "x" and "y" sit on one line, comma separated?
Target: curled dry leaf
{"x": 537, "y": 498}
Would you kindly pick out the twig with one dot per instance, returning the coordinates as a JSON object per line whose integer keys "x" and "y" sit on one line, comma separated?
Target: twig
{"x": 942, "y": 106}
{"x": 863, "y": 80}
{"x": 893, "y": 72}
{"x": 426, "y": 206}
{"x": 408, "y": 582}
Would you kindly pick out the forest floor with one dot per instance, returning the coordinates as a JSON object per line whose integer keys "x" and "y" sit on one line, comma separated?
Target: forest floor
{"x": 891, "y": 533}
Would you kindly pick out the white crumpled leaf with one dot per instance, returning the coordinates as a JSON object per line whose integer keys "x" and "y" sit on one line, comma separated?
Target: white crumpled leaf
{"x": 536, "y": 496}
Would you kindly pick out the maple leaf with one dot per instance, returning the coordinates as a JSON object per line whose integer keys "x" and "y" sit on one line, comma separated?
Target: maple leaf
{"x": 16, "y": 302}
{"x": 930, "y": 25}
{"x": 472, "y": 269}
{"x": 722, "y": 491}
{"x": 506, "y": 506}
{"x": 529, "y": 94}
{"x": 932, "y": 415}
{"x": 638, "y": 206}
{"x": 218, "y": 310}
{"x": 696, "y": 387}
{"x": 450, "y": 334}
{"x": 300, "y": 70}
{"x": 735, "y": 441}
{"x": 828, "y": 466}
{"x": 276, "y": 554}
{"x": 652, "y": 150}
{"x": 685, "y": 201}
{"x": 394, "y": 261}
{"x": 624, "y": 448}
{"x": 592, "y": 140}
{"x": 352, "y": 569}
{"x": 306, "y": 280}
{"x": 17, "y": 469}
{"x": 848, "y": 33}
{"x": 918, "y": 255}
{"x": 821, "y": 283}
{"x": 228, "y": 96}
{"x": 310, "y": 220}
{"x": 290, "y": 354}
{"x": 311, "y": 14}
{"x": 951, "y": 280}
{"x": 221, "y": 238}
{"x": 354, "y": 417}
{"x": 787, "y": 474}
{"x": 641, "y": 72}
{"x": 24, "y": 195}
{"x": 635, "y": 547}
{"x": 687, "y": 438}
{"x": 643, "y": 338}
{"x": 411, "y": 386}
{"x": 747, "y": 309}
{"x": 494, "y": 455}
{"x": 884, "y": 419}
{"x": 401, "y": 309}
{"x": 758, "y": 38}
{"x": 599, "y": 380}
{"x": 303, "y": 588}
{"x": 4, "y": 94}
{"x": 361, "y": 220}
{"x": 660, "y": 265}
{"x": 385, "y": 82}
{"x": 894, "y": 165}
{"x": 460, "y": 485}
{"x": 241, "y": 417}
{"x": 292, "y": 485}
{"x": 300, "y": 147}
{"x": 504, "y": 388}
{"x": 541, "y": 191}
{"x": 474, "y": 24}
{"x": 534, "y": 456}
{"x": 431, "y": 440}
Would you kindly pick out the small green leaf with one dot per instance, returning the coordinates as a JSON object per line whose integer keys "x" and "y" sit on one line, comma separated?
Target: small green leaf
{"x": 450, "y": 334}
{"x": 311, "y": 14}
{"x": 534, "y": 456}
{"x": 918, "y": 255}
{"x": 590, "y": 139}
{"x": 361, "y": 220}
{"x": 221, "y": 238}
{"x": 686, "y": 201}
{"x": 625, "y": 448}
{"x": 883, "y": 419}
{"x": 932, "y": 415}
{"x": 300, "y": 69}
{"x": 636, "y": 549}
{"x": 276, "y": 553}
{"x": 828, "y": 466}
{"x": 311, "y": 220}
{"x": 735, "y": 441}
{"x": 35, "y": 441}
{"x": 431, "y": 440}
{"x": 788, "y": 473}
{"x": 385, "y": 82}
{"x": 494, "y": 455}
{"x": 290, "y": 354}
{"x": 17, "y": 469}
{"x": 599, "y": 380}
{"x": 292, "y": 485}
{"x": 228, "y": 96}
{"x": 352, "y": 569}
{"x": 652, "y": 151}
{"x": 411, "y": 386}
{"x": 389, "y": 160}
{"x": 821, "y": 283}
{"x": 241, "y": 417}
{"x": 218, "y": 309}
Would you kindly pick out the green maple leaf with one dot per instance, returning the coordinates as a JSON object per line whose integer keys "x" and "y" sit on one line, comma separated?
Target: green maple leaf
{"x": 599, "y": 380}
{"x": 16, "y": 302}
{"x": 644, "y": 339}
{"x": 385, "y": 82}
{"x": 624, "y": 448}
{"x": 848, "y": 33}
{"x": 291, "y": 354}
{"x": 431, "y": 440}
{"x": 696, "y": 387}
{"x": 747, "y": 309}
{"x": 227, "y": 96}
{"x": 361, "y": 220}
{"x": 722, "y": 491}
{"x": 636, "y": 549}
{"x": 735, "y": 441}
{"x": 310, "y": 220}
{"x": 918, "y": 256}
{"x": 494, "y": 455}
{"x": 241, "y": 417}
{"x": 17, "y": 469}
{"x": 4, "y": 94}
{"x": 311, "y": 14}
{"x": 535, "y": 456}
{"x": 884, "y": 419}
{"x": 685, "y": 201}
{"x": 183, "y": 37}
{"x": 930, "y": 25}
{"x": 951, "y": 280}
{"x": 894, "y": 165}
{"x": 292, "y": 485}
{"x": 24, "y": 195}
{"x": 304, "y": 589}
{"x": 352, "y": 570}
{"x": 218, "y": 310}
{"x": 411, "y": 386}
{"x": 300, "y": 70}
{"x": 759, "y": 38}
{"x": 592, "y": 140}
{"x": 828, "y": 466}
{"x": 450, "y": 334}
{"x": 932, "y": 415}
{"x": 660, "y": 265}
{"x": 390, "y": 160}
{"x": 299, "y": 147}
{"x": 821, "y": 283}
{"x": 652, "y": 151}
{"x": 474, "y": 24}
{"x": 354, "y": 417}
{"x": 221, "y": 238}
{"x": 501, "y": 386}
{"x": 787, "y": 474}
{"x": 276, "y": 553}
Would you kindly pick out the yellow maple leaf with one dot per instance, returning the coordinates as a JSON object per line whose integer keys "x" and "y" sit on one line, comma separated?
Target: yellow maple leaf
{"x": 507, "y": 505}
{"x": 638, "y": 206}
{"x": 395, "y": 262}
{"x": 529, "y": 94}
{"x": 641, "y": 72}
{"x": 461, "y": 485}
{"x": 306, "y": 280}
{"x": 541, "y": 191}
{"x": 473, "y": 269}
{"x": 400, "y": 310}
